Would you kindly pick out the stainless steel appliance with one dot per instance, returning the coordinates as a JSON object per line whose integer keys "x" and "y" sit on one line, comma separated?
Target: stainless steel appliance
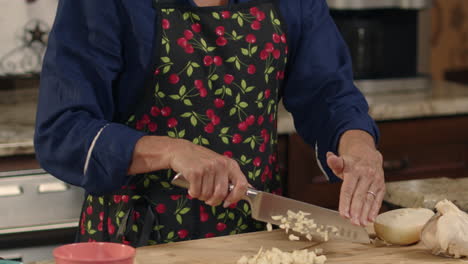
{"x": 388, "y": 41}
{"x": 38, "y": 212}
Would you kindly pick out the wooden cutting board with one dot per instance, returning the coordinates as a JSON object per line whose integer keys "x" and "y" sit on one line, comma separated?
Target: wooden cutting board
{"x": 227, "y": 250}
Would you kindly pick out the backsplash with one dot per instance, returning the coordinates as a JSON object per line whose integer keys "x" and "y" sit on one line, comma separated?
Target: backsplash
{"x": 24, "y": 28}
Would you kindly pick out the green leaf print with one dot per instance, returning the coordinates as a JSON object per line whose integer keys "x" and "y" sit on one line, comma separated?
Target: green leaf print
{"x": 205, "y": 141}
{"x": 193, "y": 120}
{"x": 89, "y": 225}
{"x": 131, "y": 118}
{"x": 195, "y": 16}
{"x": 231, "y": 216}
{"x": 137, "y": 197}
{"x": 203, "y": 42}
{"x": 161, "y": 95}
{"x": 233, "y": 232}
{"x": 243, "y": 84}
{"x": 221, "y": 216}
{"x": 272, "y": 16}
{"x": 249, "y": 89}
{"x": 196, "y": 141}
{"x": 174, "y": 96}
{"x": 238, "y": 98}
{"x": 213, "y": 210}
{"x": 238, "y": 66}
{"x": 231, "y": 59}
{"x": 254, "y": 49}
{"x": 243, "y": 104}
{"x": 101, "y": 200}
{"x": 229, "y": 91}
{"x": 219, "y": 91}
{"x": 188, "y": 102}
{"x": 224, "y": 130}
{"x": 92, "y": 232}
{"x": 270, "y": 70}
{"x": 146, "y": 183}
{"x": 245, "y": 52}
{"x": 243, "y": 227}
{"x": 276, "y": 22}
{"x": 246, "y": 208}
{"x": 120, "y": 214}
{"x": 170, "y": 235}
{"x": 186, "y": 15}
{"x": 232, "y": 111}
{"x": 210, "y": 49}
{"x": 165, "y": 59}
{"x": 189, "y": 71}
{"x": 252, "y": 144}
{"x": 181, "y": 133}
{"x": 240, "y": 21}
{"x": 215, "y": 77}
{"x": 186, "y": 114}
{"x": 243, "y": 158}
{"x": 216, "y": 15}
{"x": 225, "y": 140}
{"x": 165, "y": 185}
{"x": 184, "y": 210}
{"x": 179, "y": 218}
{"x": 251, "y": 176}
{"x": 239, "y": 222}
{"x": 135, "y": 228}
{"x": 158, "y": 227}
{"x": 182, "y": 90}
{"x": 166, "y": 69}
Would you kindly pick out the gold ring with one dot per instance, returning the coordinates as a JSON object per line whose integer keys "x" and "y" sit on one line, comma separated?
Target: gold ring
{"x": 373, "y": 193}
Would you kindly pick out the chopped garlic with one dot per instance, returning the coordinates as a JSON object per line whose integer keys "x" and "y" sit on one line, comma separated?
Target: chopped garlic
{"x": 299, "y": 223}
{"x": 276, "y": 256}
{"x": 269, "y": 227}
{"x": 293, "y": 237}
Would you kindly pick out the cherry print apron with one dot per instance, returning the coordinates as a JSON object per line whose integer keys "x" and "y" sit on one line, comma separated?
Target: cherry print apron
{"x": 215, "y": 80}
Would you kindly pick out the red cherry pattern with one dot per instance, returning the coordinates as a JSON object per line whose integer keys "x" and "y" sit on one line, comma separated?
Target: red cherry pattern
{"x": 210, "y": 102}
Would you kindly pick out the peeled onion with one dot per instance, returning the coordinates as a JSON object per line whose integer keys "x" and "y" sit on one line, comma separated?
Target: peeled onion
{"x": 402, "y": 226}
{"x": 446, "y": 233}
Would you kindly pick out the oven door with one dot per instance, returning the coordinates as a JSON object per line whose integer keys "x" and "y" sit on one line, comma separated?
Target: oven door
{"x": 39, "y": 212}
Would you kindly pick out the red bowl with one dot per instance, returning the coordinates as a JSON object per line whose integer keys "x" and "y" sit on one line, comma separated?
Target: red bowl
{"x": 94, "y": 252}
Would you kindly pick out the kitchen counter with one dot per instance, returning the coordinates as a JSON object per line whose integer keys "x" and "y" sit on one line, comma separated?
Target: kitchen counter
{"x": 17, "y": 117}
{"x": 17, "y": 111}
{"x": 426, "y": 193}
{"x": 227, "y": 250}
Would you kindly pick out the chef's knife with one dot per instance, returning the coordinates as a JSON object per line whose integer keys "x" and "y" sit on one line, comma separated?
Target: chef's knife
{"x": 265, "y": 205}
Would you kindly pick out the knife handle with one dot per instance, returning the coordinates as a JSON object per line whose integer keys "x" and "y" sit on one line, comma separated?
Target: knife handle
{"x": 180, "y": 181}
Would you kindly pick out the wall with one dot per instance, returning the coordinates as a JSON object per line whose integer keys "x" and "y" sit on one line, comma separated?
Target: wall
{"x": 449, "y": 37}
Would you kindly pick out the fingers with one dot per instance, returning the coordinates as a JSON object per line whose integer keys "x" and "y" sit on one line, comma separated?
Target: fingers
{"x": 374, "y": 211}
{"x": 359, "y": 198}
{"x": 369, "y": 201}
{"x": 336, "y": 164}
{"x": 195, "y": 179}
{"x": 237, "y": 178}
{"x": 346, "y": 194}
{"x": 208, "y": 181}
{"x": 220, "y": 189}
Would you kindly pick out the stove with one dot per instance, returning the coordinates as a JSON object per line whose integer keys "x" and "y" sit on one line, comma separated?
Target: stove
{"x": 38, "y": 213}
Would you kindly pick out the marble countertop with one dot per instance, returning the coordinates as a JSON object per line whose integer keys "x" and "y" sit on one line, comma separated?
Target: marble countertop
{"x": 18, "y": 107}
{"x": 427, "y": 192}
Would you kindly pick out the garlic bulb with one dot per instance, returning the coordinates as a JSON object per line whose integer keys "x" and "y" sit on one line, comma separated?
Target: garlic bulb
{"x": 446, "y": 233}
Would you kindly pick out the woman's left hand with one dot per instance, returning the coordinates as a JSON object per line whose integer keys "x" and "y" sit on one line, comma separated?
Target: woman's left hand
{"x": 359, "y": 165}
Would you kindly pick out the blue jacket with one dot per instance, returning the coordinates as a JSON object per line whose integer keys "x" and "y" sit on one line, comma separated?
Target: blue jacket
{"x": 94, "y": 68}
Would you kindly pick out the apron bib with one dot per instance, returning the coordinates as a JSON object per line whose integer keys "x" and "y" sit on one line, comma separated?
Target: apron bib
{"x": 215, "y": 80}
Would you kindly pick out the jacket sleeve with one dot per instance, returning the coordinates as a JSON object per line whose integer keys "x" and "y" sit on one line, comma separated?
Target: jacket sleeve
{"x": 75, "y": 138}
{"x": 319, "y": 90}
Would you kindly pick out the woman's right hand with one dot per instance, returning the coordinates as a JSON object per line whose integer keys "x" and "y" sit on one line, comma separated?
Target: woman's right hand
{"x": 208, "y": 172}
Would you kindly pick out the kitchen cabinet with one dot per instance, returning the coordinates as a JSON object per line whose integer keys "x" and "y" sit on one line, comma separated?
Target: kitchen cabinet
{"x": 412, "y": 149}
{"x": 19, "y": 162}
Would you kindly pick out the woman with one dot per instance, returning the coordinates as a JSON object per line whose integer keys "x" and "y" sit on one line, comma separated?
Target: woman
{"x": 134, "y": 91}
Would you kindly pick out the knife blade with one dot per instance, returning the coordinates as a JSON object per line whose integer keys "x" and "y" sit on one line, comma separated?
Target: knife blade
{"x": 265, "y": 205}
